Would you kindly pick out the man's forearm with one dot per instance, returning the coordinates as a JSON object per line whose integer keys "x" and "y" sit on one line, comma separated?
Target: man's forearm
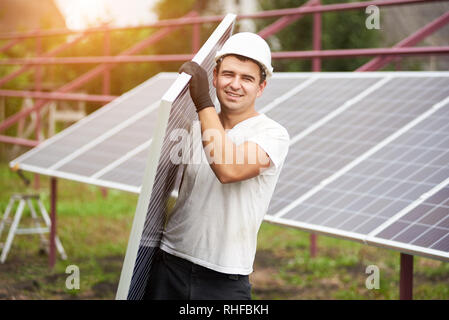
{"x": 219, "y": 148}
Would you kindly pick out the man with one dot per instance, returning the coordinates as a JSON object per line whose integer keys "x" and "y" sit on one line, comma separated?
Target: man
{"x": 209, "y": 243}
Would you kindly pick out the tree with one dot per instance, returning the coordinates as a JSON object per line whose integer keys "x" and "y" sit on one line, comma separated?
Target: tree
{"x": 340, "y": 30}
{"x": 180, "y": 41}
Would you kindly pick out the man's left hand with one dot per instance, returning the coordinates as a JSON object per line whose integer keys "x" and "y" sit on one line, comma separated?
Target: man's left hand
{"x": 199, "y": 85}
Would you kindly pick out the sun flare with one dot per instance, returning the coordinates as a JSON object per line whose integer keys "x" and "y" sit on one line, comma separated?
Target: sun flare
{"x": 82, "y": 14}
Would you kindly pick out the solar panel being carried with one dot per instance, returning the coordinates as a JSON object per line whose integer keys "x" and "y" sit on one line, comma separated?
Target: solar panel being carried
{"x": 176, "y": 111}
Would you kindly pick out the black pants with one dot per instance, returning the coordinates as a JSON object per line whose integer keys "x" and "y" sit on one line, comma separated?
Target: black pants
{"x": 174, "y": 278}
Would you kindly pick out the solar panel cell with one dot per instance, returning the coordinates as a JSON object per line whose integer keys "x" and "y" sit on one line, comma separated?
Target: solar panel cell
{"x": 129, "y": 172}
{"x": 410, "y": 233}
{"x": 310, "y": 104}
{"x": 444, "y": 223}
{"x": 442, "y": 244}
{"x": 112, "y": 148}
{"x": 428, "y": 238}
{"x": 277, "y": 88}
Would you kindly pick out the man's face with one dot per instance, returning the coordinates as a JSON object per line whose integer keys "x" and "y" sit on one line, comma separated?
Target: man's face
{"x": 237, "y": 84}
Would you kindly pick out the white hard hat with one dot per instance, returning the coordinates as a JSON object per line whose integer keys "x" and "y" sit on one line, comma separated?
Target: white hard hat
{"x": 249, "y": 45}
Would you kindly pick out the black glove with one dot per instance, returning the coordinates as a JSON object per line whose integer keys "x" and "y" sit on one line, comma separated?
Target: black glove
{"x": 199, "y": 85}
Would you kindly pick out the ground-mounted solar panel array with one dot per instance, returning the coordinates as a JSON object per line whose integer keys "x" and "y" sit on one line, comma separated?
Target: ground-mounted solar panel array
{"x": 368, "y": 158}
{"x": 367, "y": 153}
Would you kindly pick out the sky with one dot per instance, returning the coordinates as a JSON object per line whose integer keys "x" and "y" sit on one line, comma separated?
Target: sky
{"x": 80, "y": 14}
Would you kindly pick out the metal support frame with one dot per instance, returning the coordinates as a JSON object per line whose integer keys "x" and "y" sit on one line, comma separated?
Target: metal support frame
{"x": 26, "y": 200}
{"x": 10, "y": 44}
{"x": 386, "y": 53}
{"x": 283, "y": 22}
{"x": 316, "y": 67}
{"x": 76, "y": 83}
{"x": 406, "y": 277}
{"x": 287, "y": 16}
{"x": 196, "y": 36}
{"x": 378, "y": 62}
{"x": 53, "y": 236}
{"x": 51, "y": 53}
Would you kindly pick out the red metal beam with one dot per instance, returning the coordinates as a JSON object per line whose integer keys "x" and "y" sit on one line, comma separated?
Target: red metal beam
{"x": 10, "y": 44}
{"x": 53, "y": 52}
{"x": 57, "y": 96}
{"x": 411, "y": 40}
{"x": 330, "y": 8}
{"x": 275, "y": 55}
{"x": 53, "y": 203}
{"x": 38, "y": 87}
{"x": 212, "y": 19}
{"x": 317, "y": 21}
{"x": 88, "y": 76}
{"x": 97, "y": 59}
{"x": 196, "y": 36}
{"x": 107, "y": 73}
{"x": 360, "y": 52}
{"x": 19, "y": 141}
{"x": 406, "y": 277}
{"x": 133, "y": 50}
{"x": 283, "y": 22}
{"x": 316, "y": 67}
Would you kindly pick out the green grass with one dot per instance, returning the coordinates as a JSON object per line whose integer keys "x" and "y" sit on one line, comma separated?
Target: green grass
{"x": 95, "y": 229}
{"x": 338, "y": 271}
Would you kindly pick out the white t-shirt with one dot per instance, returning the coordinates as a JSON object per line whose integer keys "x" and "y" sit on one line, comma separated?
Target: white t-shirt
{"x": 215, "y": 225}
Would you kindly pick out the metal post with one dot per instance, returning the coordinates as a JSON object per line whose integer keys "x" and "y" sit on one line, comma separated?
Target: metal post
{"x": 106, "y": 79}
{"x": 107, "y": 71}
{"x": 313, "y": 246}
{"x": 398, "y": 65}
{"x": 38, "y": 88}
{"x": 406, "y": 277}
{"x": 196, "y": 37}
{"x": 316, "y": 67}
{"x": 52, "y": 251}
{"x": 316, "y": 62}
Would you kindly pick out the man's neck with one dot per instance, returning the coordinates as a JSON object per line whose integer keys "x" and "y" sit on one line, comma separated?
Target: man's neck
{"x": 229, "y": 120}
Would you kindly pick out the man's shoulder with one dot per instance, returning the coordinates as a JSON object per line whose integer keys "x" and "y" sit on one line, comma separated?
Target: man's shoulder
{"x": 271, "y": 126}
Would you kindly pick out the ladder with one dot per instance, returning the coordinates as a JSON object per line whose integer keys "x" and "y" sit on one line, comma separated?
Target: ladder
{"x": 24, "y": 200}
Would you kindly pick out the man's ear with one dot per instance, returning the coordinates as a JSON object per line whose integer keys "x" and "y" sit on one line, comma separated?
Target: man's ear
{"x": 261, "y": 88}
